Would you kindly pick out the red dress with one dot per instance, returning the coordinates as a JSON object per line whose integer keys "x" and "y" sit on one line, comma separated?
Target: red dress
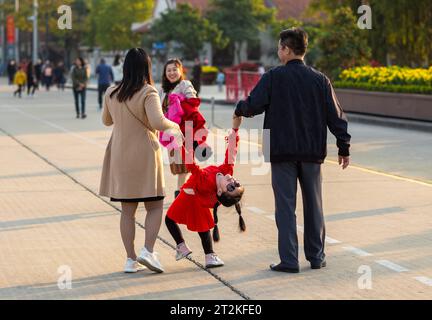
{"x": 194, "y": 210}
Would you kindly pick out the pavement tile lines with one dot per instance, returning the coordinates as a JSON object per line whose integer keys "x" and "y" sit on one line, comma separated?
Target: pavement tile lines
{"x": 385, "y": 263}
{"x": 166, "y": 242}
{"x": 359, "y": 252}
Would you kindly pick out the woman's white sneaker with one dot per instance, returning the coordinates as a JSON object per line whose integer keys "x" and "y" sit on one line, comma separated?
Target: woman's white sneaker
{"x": 133, "y": 266}
{"x": 213, "y": 261}
{"x": 150, "y": 260}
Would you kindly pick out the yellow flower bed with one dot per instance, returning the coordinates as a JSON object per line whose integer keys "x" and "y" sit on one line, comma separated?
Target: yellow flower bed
{"x": 393, "y": 75}
{"x": 209, "y": 69}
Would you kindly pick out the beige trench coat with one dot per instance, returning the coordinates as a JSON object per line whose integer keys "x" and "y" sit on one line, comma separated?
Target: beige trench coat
{"x": 132, "y": 166}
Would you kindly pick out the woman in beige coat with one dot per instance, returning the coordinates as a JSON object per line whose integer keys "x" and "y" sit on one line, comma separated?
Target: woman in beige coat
{"x": 133, "y": 169}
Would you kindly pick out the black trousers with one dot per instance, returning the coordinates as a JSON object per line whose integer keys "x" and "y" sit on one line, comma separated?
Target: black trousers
{"x": 77, "y": 95}
{"x": 176, "y": 233}
{"x": 284, "y": 183}
{"x": 102, "y": 88}
{"x": 31, "y": 87}
{"x": 19, "y": 90}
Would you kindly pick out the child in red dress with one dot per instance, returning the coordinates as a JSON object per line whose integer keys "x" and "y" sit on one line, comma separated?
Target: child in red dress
{"x": 206, "y": 188}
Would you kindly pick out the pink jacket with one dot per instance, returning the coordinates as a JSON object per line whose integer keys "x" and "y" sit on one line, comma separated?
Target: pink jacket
{"x": 175, "y": 113}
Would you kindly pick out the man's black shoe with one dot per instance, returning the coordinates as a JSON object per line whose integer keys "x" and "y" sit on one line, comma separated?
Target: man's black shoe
{"x": 280, "y": 268}
{"x": 323, "y": 264}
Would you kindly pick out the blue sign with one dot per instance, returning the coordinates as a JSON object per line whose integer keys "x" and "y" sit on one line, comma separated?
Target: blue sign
{"x": 159, "y": 45}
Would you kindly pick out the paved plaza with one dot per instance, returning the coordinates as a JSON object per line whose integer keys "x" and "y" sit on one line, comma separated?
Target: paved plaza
{"x": 53, "y": 224}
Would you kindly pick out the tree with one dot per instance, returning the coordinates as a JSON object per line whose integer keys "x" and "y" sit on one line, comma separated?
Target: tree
{"x": 402, "y": 29}
{"x": 188, "y": 29}
{"x": 104, "y": 23}
{"x": 407, "y": 27}
{"x": 56, "y": 42}
{"x": 112, "y": 20}
{"x": 343, "y": 44}
{"x": 241, "y": 20}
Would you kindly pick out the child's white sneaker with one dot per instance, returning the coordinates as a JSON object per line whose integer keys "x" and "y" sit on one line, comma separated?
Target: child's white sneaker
{"x": 213, "y": 261}
{"x": 182, "y": 251}
{"x": 150, "y": 260}
{"x": 133, "y": 266}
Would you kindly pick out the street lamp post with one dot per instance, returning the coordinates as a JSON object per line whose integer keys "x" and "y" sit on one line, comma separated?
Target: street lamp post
{"x": 17, "y": 49}
{"x": 2, "y": 39}
{"x": 35, "y": 31}
{"x": 34, "y": 19}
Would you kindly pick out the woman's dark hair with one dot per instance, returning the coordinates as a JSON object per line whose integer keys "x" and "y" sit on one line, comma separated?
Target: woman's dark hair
{"x": 116, "y": 60}
{"x": 136, "y": 74}
{"x": 227, "y": 201}
{"x": 82, "y": 61}
{"x": 167, "y": 86}
{"x": 296, "y": 39}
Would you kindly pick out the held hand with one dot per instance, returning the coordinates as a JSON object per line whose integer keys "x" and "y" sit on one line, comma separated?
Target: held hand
{"x": 344, "y": 161}
{"x": 177, "y": 134}
{"x": 179, "y": 137}
{"x": 236, "y": 122}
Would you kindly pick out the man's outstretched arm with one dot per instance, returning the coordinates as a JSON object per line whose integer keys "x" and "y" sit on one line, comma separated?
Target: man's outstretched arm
{"x": 258, "y": 100}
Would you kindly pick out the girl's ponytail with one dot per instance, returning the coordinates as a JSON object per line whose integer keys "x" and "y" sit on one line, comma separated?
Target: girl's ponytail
{"x": 242, "y": 224}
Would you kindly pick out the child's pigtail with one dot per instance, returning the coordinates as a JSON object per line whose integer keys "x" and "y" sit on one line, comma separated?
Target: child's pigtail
{"x": 216, "y": 236}
{"x": 242, "y": 224}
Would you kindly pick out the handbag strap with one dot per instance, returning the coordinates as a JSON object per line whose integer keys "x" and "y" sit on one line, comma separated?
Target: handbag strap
{"x": 149, "y": 131}
{"x": 133, "y": 114}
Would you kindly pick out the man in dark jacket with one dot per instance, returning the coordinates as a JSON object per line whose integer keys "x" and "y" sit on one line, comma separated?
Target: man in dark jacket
{"x": 105, "y": 78}
{"x": 196, "y": 76}
{"x": 299, "y": 104}
{"x": 11, "y": 70}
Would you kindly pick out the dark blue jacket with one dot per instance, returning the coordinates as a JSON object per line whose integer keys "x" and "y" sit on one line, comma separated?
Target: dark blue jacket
{"x": 299, "y": 104}
{"x": 105, "y": 74}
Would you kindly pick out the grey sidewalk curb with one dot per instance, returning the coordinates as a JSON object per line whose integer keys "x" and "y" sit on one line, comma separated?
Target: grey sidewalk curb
{"x": 354, "y": 117}
{"x": 391, "y": 122}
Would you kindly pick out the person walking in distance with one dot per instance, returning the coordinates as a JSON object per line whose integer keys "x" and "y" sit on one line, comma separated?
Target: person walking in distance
{"x": 59, "y": 76}
{"x": 11, "y": 70}
{"x": 20, "y": 80}
{"x": 38, "y": 73}
{"x": 196, "y": 76}
{"x": 117, "y": 69}
{"x": 79, "y": 85}
{"x": 48, "y": 75}
{"x": 105, "y": 78}
{"x": 31, "y": 79}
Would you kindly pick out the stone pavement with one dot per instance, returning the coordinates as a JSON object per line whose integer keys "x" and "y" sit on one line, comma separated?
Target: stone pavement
{"x": 51, "y": 217}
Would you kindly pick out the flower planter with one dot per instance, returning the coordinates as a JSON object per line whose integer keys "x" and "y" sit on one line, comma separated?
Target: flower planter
{"x": 208, "y": 78}
{"x": 398, "y": 105}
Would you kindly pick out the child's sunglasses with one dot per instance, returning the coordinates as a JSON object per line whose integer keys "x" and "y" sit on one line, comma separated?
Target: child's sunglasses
{"x": 232, "y": 186}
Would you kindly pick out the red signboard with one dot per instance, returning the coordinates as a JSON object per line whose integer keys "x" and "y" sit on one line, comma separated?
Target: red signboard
{"x": 239, "y": 84}
{"x": 10, "y": 30}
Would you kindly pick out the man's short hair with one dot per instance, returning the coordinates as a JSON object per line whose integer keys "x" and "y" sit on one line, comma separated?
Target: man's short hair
{"x": 296, "y": 39}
